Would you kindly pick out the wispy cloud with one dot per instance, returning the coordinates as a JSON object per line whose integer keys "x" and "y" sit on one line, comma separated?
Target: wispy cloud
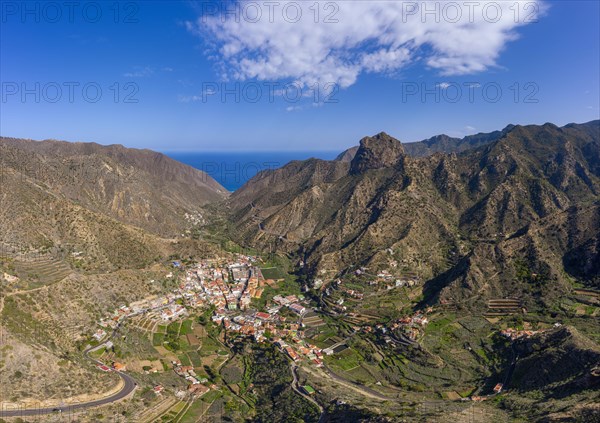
{"x": 188, "y": 98}
{"x": 140, "y": 73}
{"x": 145, "y": 71}
{"x": 366, "y": 37}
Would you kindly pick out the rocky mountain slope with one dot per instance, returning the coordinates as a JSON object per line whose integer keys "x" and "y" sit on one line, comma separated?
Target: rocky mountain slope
{"x": 560, "y": 365}
{"x": 111, "y": 204}
{"x": 456, "y": 219}
{"x": 439, "y": 144}
{"x": 138, "y": 187}
{"x": 83, "y": 228}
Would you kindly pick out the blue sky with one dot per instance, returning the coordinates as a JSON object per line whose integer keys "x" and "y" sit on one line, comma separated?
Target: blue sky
{"x": 162, "y": 68}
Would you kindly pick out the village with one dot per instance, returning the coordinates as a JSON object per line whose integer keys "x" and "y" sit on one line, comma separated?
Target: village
{"x": 228, "y": 289}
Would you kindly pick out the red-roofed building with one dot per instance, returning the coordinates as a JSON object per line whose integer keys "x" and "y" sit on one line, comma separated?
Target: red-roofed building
{"x": 103, "y": 367}
{"x": 292, "y": 353}
{"x": 198, "y": 389}
{"x": 263, "y": 316}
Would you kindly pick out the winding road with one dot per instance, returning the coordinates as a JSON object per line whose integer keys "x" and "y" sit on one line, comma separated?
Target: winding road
{"x": 129, "y": 385}
{"x": 297, "y": 389}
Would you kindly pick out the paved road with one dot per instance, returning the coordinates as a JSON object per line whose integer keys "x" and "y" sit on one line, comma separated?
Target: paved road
{"x": 365, "y": 390}
{"x": 129, "y": 386}
{"x": 296, "y": 388}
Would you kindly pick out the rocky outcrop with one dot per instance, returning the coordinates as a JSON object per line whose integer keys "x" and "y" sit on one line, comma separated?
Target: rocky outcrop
{"x": 378, "y": 152}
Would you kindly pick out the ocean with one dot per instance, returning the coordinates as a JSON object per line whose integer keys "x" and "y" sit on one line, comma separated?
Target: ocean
{"x": 232, "y": 170}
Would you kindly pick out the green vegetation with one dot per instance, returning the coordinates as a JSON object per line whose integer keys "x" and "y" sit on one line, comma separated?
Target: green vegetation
{"x": 185, "y": 361}
{"x": 346, "y": 360}
{"x": 269, "y": 372}
{"x": 186, "y": 327}
{"x": 273, "y": 273}
{"x": 158, "y": 339}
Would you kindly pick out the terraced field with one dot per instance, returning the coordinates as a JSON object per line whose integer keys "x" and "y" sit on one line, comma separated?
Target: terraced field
{"x": 503, "y": 307}
{"x": 41, "y": 271}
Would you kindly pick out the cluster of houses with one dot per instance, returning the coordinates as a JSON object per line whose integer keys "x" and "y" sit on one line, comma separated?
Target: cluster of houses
{"x": 383, "y": 280}
{"x": 164, "y": 304}
{"x": 409, "y": 326}
{"x": 99, "y": 335}
{"x": 116, "y": 366}
{"x": 172, "y": 312}
{"x": 113, "y": 320}
{"x": 352, "y": 293}
{"x": 291, "y": 302}
{"x": 229, "y": 287}
{"x": 300, "y": 349}
{"x": 271, "y": 326}
{"x": 514, "y": 334}
{"x": 195, "y": 386}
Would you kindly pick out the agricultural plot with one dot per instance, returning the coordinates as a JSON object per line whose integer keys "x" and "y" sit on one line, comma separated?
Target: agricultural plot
{"x": 186, "y": 327}
{"x": 188, "y": 343}
{"x": 346, "y": 360}
{"x": 158, "y": 339}
{"x": 172, "y": 414}
{"x": 209, "y": 347}
{"x": 195, "y": 358}
{"x": 312, "y": 320}
{"x": 194, "y": 413}
{"x": 192, "y": 340}
{"x": 361, "y": 375}
{"x": 322, "y": 336}
{"x": 185, "y": 360}
{"x": 273, "y": 273}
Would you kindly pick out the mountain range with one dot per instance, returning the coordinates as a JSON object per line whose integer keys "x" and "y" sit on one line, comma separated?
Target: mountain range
{"x": 467, "y": 215}
{"x": 110, "y": 203}
{"x": 512, "y": 215}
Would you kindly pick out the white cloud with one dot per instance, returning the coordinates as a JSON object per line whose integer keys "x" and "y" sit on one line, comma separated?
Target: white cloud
{"x": 369, "y": 36}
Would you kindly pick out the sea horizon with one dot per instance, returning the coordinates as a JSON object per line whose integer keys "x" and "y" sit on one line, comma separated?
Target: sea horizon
{"x": 233, "y": 169}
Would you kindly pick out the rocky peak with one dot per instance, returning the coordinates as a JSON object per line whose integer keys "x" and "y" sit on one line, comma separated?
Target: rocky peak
{"x": 377, "y": 152}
